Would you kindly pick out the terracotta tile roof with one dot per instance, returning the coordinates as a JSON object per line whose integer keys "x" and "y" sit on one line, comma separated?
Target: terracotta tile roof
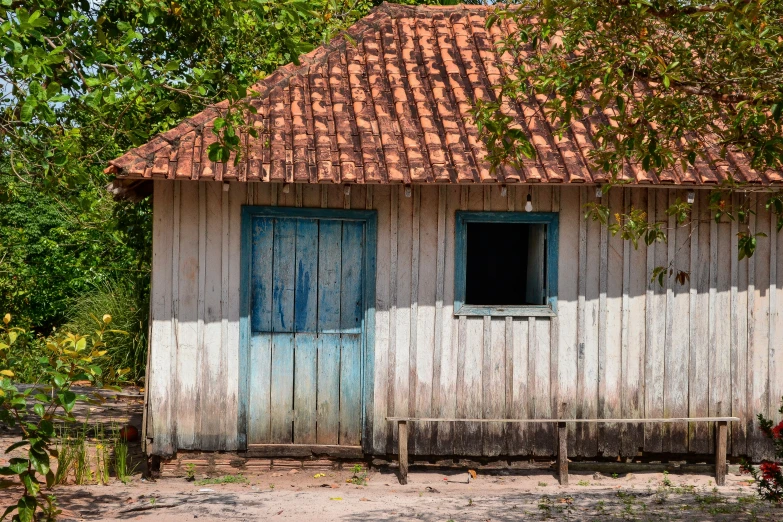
{"x": 393, "y": 107}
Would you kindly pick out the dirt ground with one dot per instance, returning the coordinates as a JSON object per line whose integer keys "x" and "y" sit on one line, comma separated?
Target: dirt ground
{"x": 534, "y": 495}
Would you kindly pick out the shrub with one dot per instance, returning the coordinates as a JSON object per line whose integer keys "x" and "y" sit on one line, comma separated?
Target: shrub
{"x": 768, "y": 476}
{"x": 71, "y": 357}
{"x": 128, "y": 339}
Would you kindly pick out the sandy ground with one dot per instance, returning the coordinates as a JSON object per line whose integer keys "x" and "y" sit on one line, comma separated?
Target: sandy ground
{"x": 429, "y": 495}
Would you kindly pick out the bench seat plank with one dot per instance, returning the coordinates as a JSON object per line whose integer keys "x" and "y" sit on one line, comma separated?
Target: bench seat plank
{"x": 538, "y": 421}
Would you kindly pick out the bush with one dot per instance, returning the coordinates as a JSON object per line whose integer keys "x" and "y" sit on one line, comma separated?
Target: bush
{"x": 768, "y": 476}
{"x": 71, "y": 358}
{"x": 129, "y": 344}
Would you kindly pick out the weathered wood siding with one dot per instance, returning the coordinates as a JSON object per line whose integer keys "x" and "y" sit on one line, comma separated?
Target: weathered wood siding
{"x": 619, "y": 346}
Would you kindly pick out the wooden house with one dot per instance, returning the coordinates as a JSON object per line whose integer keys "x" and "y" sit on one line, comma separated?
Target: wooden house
{"x": 361, "y": 261}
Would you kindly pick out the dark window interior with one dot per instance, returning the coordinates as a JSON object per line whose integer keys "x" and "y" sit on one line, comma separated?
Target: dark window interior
{"x": 506, "y": 264}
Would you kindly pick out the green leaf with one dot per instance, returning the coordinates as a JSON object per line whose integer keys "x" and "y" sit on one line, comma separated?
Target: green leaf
{"x": 52, "y": 89}
{"x": 18, "y": 465}
{"x": 39, "y": 409}
{"x": 40, "y": 461}
{"x": 30, "y": 483}
{"x": 26, "y": 112}
{"x": 15, "y": 445}
{"x": 26, "y": 508}
{"x": 67, "y": 399}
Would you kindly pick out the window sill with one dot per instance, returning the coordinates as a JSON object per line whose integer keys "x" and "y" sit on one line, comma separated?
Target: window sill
{"x": 505, "y": 311}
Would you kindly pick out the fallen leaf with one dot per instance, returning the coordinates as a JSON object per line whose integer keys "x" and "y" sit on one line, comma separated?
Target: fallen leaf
{"x": 364, "y": 499}
{"x": 319, "y": 475}
{"x": 335, "y": 486}
{"x": 472, "y": 473}
{"x": 335, "y": 498}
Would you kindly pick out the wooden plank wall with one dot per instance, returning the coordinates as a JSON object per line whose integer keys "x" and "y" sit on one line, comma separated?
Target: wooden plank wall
{"x": 620, "y": 345}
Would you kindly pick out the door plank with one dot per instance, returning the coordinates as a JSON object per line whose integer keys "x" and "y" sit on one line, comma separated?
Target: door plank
{"x": 329, "y": 273}
{"x": 305, "y": 396}
{"x": 351, "y": 284}
{"x": 283, "y": 288}
{"x": 350, "y": 389}
{"x": 259, "y": 406}
{"x": 283, "y": 275}
{"x": 328, "y": 388}
{"x": 306, "y": 293}
{"x": 282, "y": 389}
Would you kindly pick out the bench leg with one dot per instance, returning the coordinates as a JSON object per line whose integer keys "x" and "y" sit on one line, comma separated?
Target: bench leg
{"x": 721, "y": 437}
{"x": 562, "y": 453}
{"x": 402, "y": 442}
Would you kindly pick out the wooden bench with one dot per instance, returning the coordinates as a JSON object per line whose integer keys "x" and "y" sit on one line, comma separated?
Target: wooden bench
{"x": 721, "y": 436}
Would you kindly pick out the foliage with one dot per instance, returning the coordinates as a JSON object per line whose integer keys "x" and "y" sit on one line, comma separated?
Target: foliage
{"x": 85, "y": 81}
{"x": 128, "y": 341}
{"x": 34, "y": 410}
{"x": 768, "y": 476}
{"x": 90, "y": 79}
{"x": 52, "y": 252}
{"x": 667, "y": 72}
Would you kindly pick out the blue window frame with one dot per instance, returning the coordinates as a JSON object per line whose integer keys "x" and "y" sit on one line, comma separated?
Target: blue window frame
{"x": 547, "y": 229}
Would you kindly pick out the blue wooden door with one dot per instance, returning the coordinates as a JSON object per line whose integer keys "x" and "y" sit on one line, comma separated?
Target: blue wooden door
{"x": 306, "y": 315}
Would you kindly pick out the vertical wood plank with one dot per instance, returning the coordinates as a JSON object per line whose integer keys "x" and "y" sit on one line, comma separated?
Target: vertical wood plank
{"x": 283, "y": 346}
{"x": 657, "y": 255}
{"x": 226, "y": 424}
{"x": 677, "y": 335}
{"x": 328, "y": 389}
{"x": 305, "y": 390}
{"x": 174, "y": 385}
{"x": 329, "y": 286}
{"x": 447, "y": 363}
{"x": 350, "y": 389}
{"x": 612, "y": 315}
{"x": 413, "y": 377}
{"x": 472, "y": 386}
{"x": 739, "y": 356}
{"x": 701, "y": 311}
{"x": 403, "y": 305}
{"x": 720, "y": 320}
{"x": 282, "y": 388}
{"x": 306, "y": 276}
{"x": 351, "y": 315}
{"x": 436, "y": 406}
{"x": 494, "y": 384}
{"x": 159, "y": 425}
{"x": 187, "y": 317}
{"x": 260, "y": 374}
{"x": 634, "y": 309}
{"x": 392, "y": 367}
{"x": 212, "y": 373}
{"x": 587, "y": 434}
{"x": 381, "y": 428}
{"x": 234, "y": 431}
{"x": 429, "y": 268}
{"x": 305, "y": 328}
{"x": 776, "y": 318}
{"x": 519, "y": 443}
{"x": 569, "y": 292}
{"x": 758, "y": 328}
